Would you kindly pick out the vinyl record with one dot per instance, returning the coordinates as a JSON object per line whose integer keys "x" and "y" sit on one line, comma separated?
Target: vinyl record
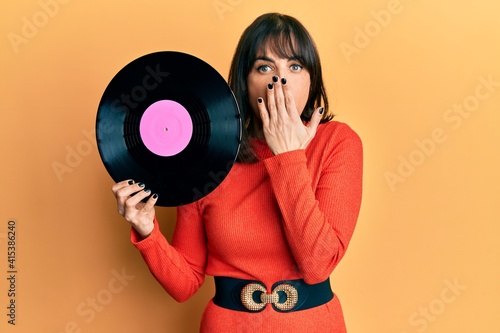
{"x": 170, "y": 121}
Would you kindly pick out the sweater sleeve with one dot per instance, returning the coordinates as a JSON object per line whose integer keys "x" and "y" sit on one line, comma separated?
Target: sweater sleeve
{"x": 319, "y": 220}
{"x": 180, "y": 266}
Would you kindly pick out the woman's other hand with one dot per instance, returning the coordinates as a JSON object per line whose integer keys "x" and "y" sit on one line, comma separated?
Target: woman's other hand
{"x": 140, "y": 215}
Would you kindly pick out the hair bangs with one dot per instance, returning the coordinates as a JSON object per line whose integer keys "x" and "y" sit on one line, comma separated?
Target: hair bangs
{"x": 282, "y": 45}
{"x": 285, "y": 41}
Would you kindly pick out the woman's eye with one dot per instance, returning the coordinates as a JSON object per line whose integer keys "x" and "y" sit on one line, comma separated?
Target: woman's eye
{"x": 296, "y": 67}
{"x": 264, "y": 68}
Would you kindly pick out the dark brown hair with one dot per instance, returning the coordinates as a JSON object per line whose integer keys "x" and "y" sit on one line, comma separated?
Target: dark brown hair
{"x": 288, "y": 38}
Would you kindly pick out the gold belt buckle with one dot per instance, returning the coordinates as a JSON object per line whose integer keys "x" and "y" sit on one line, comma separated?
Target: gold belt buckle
{"x": 273, "y": 298}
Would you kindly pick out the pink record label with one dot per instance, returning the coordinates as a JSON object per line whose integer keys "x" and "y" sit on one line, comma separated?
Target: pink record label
{"x": 166, "y": 128}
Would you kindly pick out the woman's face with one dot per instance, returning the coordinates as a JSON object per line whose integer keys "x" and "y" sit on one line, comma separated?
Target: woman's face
{"x": 267, "y": 65}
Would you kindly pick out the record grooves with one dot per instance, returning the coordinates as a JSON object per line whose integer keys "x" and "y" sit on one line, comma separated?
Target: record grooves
{"x": 169, "y": 120}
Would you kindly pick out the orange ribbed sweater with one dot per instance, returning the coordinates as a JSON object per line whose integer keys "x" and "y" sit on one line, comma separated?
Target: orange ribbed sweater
{"x": 289, "y": 216}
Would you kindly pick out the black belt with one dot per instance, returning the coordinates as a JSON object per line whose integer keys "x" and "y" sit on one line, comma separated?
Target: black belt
{"x": 286, "y": 296}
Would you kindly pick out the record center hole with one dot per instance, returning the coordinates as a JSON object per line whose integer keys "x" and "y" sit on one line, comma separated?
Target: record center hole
{"x": 165, "y": 129}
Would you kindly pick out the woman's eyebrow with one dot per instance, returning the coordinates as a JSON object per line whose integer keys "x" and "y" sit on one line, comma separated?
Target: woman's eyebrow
{"x": 264, "y": 58}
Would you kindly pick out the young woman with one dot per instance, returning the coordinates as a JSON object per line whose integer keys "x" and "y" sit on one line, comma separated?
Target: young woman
{"x": 274, "y": 230}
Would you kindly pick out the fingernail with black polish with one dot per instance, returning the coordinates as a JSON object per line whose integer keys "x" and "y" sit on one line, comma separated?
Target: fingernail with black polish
{"x": 321, "y": 110}
{"x": 141, "y": 185}
{"x": 259, "y": 100}
{"x": 283, "y": 81}
{"x": 130, "y": 182}
{"x": 147, "y": 190}
{"x": 275, "y": 78}
{"x": 155, "y": 196}
{"x": 270, "y": 86}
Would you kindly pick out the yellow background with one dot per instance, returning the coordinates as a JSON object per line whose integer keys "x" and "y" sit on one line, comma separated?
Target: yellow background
{"x": 424, "y": 257}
